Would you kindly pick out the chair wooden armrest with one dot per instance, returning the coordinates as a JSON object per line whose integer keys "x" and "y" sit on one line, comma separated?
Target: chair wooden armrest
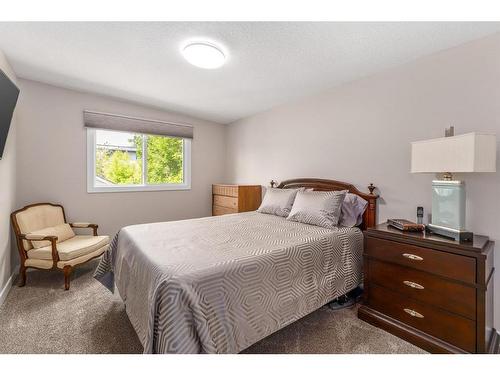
{"x": 41, "y": 237}
{"x": 85, "y": 225}
{"x": 37, "y": 237}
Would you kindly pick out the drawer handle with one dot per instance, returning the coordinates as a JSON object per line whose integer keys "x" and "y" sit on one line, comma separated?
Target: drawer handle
{"x": 412, "y": 256}
{"x": 411, "y": 284}
{"x": 413, "y": 313}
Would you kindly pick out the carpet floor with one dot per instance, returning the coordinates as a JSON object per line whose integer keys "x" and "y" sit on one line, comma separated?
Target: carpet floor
{"x": 43, "y": 318}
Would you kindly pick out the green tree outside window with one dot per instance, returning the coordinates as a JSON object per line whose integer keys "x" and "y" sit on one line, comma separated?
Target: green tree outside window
{"x": 164, "y": 162}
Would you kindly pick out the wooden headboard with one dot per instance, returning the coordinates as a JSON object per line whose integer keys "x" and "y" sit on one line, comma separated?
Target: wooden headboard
{"x": 369, "y": 217}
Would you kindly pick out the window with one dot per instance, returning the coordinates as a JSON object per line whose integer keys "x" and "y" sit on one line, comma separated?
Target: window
{"x": 122, "y": 161}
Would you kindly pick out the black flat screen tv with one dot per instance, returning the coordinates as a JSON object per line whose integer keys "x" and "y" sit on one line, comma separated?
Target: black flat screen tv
{"x": 8, "y": 99}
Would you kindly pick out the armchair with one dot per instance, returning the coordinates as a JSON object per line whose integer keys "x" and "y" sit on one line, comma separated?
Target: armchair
{"x": 46, "y": 241}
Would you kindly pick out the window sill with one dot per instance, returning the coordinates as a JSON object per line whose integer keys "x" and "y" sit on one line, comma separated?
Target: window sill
{"x": 128, "y": 189}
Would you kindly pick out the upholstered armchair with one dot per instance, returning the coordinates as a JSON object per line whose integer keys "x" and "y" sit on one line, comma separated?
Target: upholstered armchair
{"x": 46, "y": 241}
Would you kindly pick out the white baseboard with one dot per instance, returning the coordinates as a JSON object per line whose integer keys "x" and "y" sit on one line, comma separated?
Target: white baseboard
{"x": 6, "y": 288}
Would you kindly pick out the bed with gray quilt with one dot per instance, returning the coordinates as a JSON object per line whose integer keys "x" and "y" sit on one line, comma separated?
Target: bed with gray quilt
{"x": 220, "y": 284}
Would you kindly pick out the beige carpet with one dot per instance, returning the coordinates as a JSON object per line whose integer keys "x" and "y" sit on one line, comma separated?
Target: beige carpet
{"x": 43, "y": 318}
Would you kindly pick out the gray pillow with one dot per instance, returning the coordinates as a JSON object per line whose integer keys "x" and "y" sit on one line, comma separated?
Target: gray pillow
{"x": 352, "y": 210}
{"x": 278, "y": 201}
{"x": 321, "y": 208}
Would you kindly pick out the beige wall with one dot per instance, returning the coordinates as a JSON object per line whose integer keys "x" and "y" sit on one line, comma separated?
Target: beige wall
{"x": 361, "y": 133}
{"x": 51, "y": 161}
{"x": 7, "y": 196}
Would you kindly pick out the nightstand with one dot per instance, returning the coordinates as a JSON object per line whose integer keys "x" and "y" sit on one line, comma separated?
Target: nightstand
{"x": 431, "y": 291}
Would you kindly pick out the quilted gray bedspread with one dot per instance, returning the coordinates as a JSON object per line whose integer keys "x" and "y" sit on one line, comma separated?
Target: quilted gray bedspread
{"x": 220, "y": 284}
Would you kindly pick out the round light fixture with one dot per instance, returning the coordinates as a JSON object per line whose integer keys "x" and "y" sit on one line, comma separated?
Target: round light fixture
{"x": 204, "y": 55}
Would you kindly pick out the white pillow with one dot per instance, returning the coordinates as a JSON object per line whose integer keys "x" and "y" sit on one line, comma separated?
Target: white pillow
{"x": 278, "y": 201}
{"x": 352, "y": 210}
{"x": 321, "y": 208}
{"x": 62, "y": 231}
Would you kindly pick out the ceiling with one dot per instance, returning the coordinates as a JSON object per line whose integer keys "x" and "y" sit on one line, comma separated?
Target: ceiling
{"x": 269, "y": 63}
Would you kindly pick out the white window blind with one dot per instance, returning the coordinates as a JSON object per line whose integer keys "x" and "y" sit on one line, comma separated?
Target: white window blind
{"x": 99, "y": 120}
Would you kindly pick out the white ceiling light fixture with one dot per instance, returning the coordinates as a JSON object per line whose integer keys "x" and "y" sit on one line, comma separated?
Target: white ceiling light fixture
{"x": 204, "y": 55}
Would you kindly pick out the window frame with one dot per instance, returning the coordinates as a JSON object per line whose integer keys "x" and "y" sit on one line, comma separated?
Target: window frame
{"x": 91, "y": 153}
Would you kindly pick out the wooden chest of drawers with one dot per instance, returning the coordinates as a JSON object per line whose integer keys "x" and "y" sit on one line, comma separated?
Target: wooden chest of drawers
{"x": 230, "y": 199}
{"x": 433, "y": 292}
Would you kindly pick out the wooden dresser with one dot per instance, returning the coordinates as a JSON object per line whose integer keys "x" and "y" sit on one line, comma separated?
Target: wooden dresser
{"x": 431, "y": 291}
{"x": 230, "y": 199}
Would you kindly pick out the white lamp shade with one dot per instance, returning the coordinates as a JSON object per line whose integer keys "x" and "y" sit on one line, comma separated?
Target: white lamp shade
{"x": 471, "y": 152}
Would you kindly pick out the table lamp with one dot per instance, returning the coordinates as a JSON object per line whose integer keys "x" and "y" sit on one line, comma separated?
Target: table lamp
{"x": 471, "y": 152}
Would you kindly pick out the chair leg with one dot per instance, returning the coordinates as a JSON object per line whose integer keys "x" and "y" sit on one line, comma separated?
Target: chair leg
{"x": 67, "y": 274}
{"x": 22, "y": 273}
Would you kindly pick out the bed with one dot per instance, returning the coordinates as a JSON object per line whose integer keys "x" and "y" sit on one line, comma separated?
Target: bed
{"x": 220, "y": 284}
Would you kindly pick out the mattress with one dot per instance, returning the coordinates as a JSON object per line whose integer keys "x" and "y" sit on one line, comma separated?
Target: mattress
{"x": 220, "y": 284}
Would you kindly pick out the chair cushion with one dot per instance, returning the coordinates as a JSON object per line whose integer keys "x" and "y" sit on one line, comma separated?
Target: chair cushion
{"x": 39, "y": 217}
{"x": 70, "y": 249}
{"x": 62, "y": 231}
{"x": 74, "y": 262}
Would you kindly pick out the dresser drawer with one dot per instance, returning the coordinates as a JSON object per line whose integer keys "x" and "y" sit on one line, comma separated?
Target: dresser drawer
{"x": 218, "y": 210}
{"x": 224, "y": 201}
{"x": 439, "y": 323}
{"x": 425, "y": 287}
{"x": 227, "y": 190}
{"x": 454, "y": 266}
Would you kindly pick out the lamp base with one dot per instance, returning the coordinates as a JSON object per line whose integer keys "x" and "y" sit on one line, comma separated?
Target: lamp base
{"x": 457, "y": 235}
